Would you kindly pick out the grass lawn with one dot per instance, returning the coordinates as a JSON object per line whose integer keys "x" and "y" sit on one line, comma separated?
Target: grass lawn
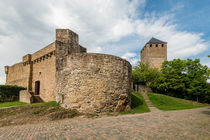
{"x": 7, "y": 104}
{"x": 138, "y": 104}
{"x": 165, "y": 102}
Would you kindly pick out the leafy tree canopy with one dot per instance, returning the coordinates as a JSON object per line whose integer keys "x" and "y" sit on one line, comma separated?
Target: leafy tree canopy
{"x": 179, "y": 78}
{"x": 143, "y": 74}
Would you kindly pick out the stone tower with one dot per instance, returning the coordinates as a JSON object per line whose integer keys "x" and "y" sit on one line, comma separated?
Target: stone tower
{"x": 154, "y": 53}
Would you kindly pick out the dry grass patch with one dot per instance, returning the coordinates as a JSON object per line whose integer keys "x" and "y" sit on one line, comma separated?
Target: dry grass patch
{"x": 35, "y": 113}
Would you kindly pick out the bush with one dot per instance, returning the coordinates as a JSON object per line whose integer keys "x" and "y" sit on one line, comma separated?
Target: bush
{"x": 9, "y": 93}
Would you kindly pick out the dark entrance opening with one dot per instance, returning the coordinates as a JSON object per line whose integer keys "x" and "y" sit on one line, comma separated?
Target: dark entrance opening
{"x": 37, "y": 87}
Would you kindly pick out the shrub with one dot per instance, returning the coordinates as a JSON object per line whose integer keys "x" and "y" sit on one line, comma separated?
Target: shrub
{"x": 9, "y": 93}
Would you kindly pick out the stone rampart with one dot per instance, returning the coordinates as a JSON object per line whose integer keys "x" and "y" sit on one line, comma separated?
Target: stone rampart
{"x": 94, "y": 83}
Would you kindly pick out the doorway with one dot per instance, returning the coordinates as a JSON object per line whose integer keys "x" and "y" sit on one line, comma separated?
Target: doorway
{"x": 37, "y": 87}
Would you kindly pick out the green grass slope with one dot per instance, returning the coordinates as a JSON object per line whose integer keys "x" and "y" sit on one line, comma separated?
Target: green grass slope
{"x": 165, "y": 102}
{"x": 138, "y": 104}
{"x": 8, "y": 104}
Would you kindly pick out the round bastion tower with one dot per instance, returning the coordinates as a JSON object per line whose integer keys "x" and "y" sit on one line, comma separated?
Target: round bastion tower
{"x": 90, "y": 82}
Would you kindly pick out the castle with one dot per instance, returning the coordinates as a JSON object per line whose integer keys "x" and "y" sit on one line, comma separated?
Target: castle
{"x": 154, "y": 53}
{"x": 89, "y": 82}
{"x": 65, "y": 72}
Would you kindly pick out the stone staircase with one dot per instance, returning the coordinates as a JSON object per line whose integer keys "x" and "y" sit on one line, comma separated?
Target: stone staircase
{"x": 149, "y": 103}
{"x": 37, "y": 99}
{"x": 29, "y": 97}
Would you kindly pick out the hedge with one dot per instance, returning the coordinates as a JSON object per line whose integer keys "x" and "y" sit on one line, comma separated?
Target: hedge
{"x": 9, "y": 93}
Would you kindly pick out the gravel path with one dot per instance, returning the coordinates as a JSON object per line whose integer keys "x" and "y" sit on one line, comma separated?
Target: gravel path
{"x": 186, "y": 124}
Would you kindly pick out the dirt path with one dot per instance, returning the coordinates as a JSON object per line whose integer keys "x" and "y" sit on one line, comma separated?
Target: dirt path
{"x": 185, "y": 124}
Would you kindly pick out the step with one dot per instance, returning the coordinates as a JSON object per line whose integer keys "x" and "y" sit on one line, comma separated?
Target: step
{"x": 37, "y": 99}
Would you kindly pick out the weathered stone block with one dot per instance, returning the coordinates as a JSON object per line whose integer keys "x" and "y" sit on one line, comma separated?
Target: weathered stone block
{"x": 25, "y": 96}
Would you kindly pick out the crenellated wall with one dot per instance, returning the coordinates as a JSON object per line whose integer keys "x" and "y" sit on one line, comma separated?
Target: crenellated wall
{"x": 44, "y": 72}
{"x": 39, "y": 66}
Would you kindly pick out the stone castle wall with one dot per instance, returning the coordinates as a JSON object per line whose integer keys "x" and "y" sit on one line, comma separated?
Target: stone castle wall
{"x": 154, "y": 55}
{"x": 95, "y": 83}
{"x": 44, "y": 71}
{"x": 15, "y": 75}
{"x": 39, "y": 66}
{"x": 85, "y": 81}
{"x": 90, "y": 82}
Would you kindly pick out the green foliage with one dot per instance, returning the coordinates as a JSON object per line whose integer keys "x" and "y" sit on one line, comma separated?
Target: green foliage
{"x": 164, "y": 102}
{"x": 8, "y": 104}
{"x": 184, "y": 79}
{"x": 9, "y": 93}
{"x": 138, "y": 104}
{"x": 142, "y": 74}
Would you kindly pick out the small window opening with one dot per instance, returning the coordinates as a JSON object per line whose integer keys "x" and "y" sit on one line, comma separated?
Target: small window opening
{"x": 156, "y": 45}
{"x": 162, "y": 45}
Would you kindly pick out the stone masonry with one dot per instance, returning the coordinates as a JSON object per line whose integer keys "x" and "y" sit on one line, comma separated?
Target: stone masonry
{"x": 65, "y": 72}
{"x": 154, "y": 53}
{"x": 36, "y": 72}
{"x": 90, "y": 82}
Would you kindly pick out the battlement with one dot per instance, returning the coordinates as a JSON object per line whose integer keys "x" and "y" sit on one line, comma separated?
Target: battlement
{"x": 154, "y": 53}
{"x": 27, "y": 58}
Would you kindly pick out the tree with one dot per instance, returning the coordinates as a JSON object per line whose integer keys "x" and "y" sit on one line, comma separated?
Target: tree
{"x": 143, "y": 74}
{"x": 184, "y": 79}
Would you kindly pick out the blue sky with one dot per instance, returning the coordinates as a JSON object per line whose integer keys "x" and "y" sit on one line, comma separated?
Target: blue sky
{"x": 192, "y": 15}
{"x": 117, "y": 27}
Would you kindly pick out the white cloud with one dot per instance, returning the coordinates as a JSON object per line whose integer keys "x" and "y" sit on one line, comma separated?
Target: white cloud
{"x": 2, "y": 80}
{"x": 132, "y": 57}
{"x": 205, "y": 61}
{"x": 105, "y": 26}
{"x": 181, "y": 44}
{"x": 128, "y": 55}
